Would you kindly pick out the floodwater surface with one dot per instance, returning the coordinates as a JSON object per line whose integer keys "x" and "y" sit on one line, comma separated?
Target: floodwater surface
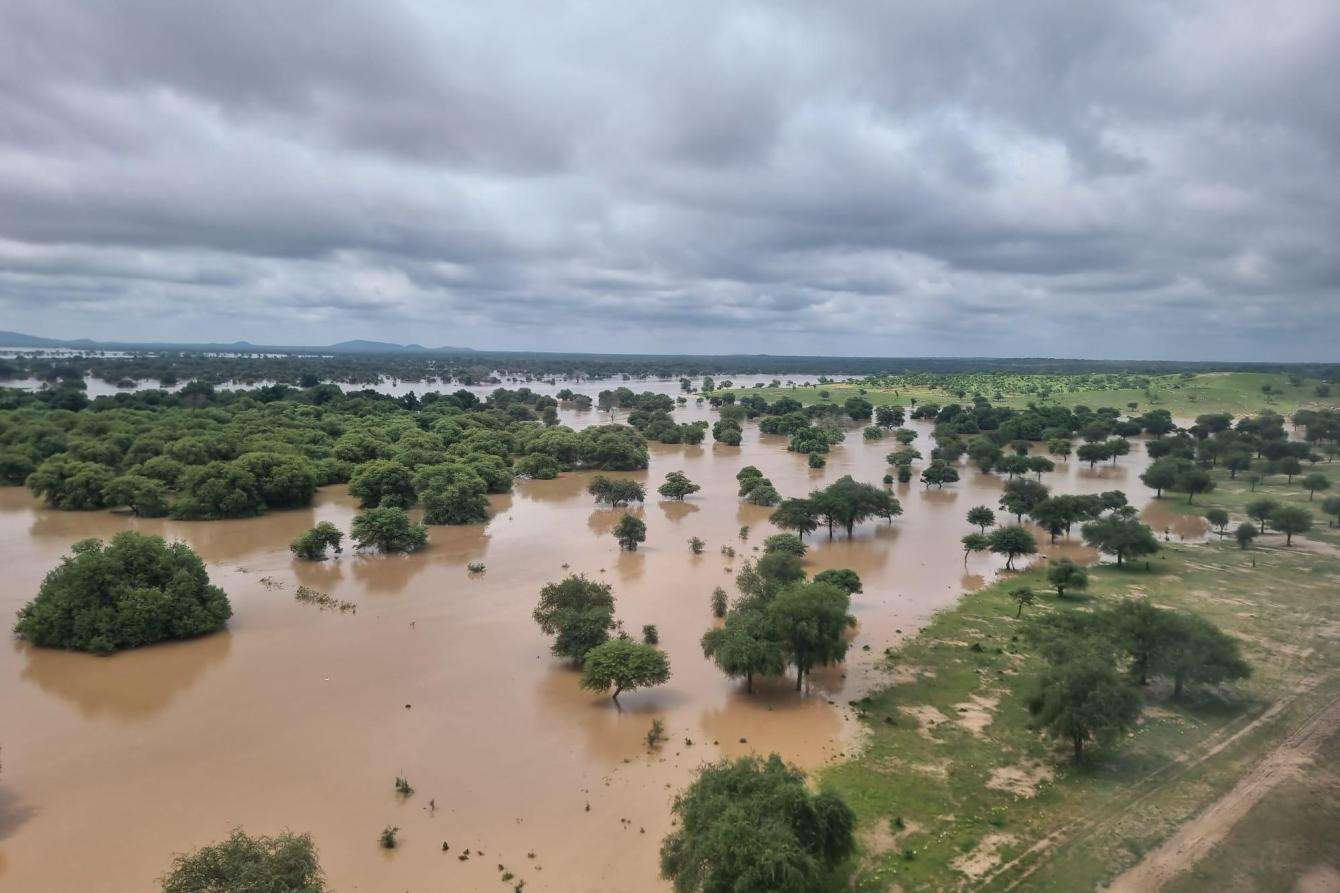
{"x": 298, "y": 718}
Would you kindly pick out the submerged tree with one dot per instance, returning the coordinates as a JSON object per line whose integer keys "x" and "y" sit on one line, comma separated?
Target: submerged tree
{"x": 578, "y": 612}
{"x": 623, "y": 665}
{"x": 313, "y": 544}
{"x": 677, "y": 486}
{"x": 753, "y": 826}
{"x": 744, "y": 646}
{"x": 629, "y": 532}
{"x": 134, "y": 590}
{"x": 388, "y": 529}
{"x": 1011, "y": 541}
{"x": 811, "y": 621}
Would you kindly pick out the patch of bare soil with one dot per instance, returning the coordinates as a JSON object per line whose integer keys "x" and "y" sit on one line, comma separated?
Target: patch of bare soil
{"x": 1318, "y": 879}
{"x": 1198, "y": 836}
{"x": 927, "y": 718}
{"x": 1022, "y": 780}
{"x": 976, "y": 713}
{"x": 985, "y": 857}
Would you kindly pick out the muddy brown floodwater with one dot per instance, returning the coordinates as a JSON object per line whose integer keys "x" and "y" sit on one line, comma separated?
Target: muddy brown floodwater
{"x": 297, "y": 718}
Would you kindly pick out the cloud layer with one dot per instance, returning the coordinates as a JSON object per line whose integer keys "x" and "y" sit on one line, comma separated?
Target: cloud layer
{"x": 1142, "y": 179}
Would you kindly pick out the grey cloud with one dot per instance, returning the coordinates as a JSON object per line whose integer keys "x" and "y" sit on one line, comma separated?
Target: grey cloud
{"x": 1133, "y": 179}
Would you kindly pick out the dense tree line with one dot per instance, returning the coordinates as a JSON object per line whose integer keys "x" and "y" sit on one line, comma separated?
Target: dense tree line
{"x": 203, "y": 454}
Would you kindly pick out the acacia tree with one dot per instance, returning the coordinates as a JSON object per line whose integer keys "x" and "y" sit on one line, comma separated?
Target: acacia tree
{"x": 810, "y": 620}
{"x": 616, "y": 491}
{"x": 1065, "y": 574}
{"x": 1197, "y": 651}
{"x": 578, "y": 612}
{"x": 1261, "y": 510}
{"x": 981, "y": 516}
{"x": 1022, "y": 595}
{"x": 1245, "y": 533}
{"x": 753, "y": 826}
{"x": 1021, "y": 496}
{"x": 974, "y": 542}
{"x": 1314, "y": 482}
{"x": 1011, "y": 541}
{"x": 624, "y": 665}
{"x": 1084, "y": 699}
{"x": 677, "y": 486}
{"x": 1120, "y": 534}
{"x": 1331, "y": 506}
{"x": 1291, "y": 519}
{"x": 1218, "y": 519}
{"x": 796, "y": 514}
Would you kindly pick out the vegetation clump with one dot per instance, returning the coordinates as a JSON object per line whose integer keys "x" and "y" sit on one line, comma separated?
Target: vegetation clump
{"x": 312, "y": 545}
{"x": 578, "y": 612}
{"x": 285, "y": 863}
{"x": 388, "y": 529}
{"x": 624, "y": 665}
{"x": 132, "y": 591}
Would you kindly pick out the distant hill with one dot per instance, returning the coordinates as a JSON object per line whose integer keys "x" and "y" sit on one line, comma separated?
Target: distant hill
{"x": 20, "y": 339}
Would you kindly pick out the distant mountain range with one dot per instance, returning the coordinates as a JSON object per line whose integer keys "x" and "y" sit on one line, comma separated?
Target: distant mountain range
{"x": 19, "y": 339}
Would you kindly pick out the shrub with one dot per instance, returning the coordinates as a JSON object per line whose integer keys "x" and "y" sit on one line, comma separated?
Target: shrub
{"x": 388, "y": 530}
{"x": 285, "y": 863}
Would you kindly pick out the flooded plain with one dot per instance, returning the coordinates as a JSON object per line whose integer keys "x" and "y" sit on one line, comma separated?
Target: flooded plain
{"x": 299, "y": 718}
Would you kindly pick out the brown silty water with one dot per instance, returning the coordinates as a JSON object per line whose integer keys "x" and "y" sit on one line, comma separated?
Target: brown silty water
{"x": 298, "y": 718}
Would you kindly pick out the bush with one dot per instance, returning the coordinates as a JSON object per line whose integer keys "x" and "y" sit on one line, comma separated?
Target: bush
{"x": 134, "y": 591}
{"x": 312, "y": 545}
{"x": 388, "y": 530}
{"x": 285, "y": 863}
{"x": 578, "y": 612}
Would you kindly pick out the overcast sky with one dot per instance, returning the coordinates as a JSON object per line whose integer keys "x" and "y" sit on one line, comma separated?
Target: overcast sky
{"x": 1126, "y": 179}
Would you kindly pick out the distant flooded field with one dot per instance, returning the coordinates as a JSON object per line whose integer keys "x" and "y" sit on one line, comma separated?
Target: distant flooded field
{"x": 302, "y": 718}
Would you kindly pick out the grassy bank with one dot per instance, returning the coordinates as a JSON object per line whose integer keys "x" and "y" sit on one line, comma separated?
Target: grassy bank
{"x": 953, "y": 788}
{"x": 1236, "y": 392}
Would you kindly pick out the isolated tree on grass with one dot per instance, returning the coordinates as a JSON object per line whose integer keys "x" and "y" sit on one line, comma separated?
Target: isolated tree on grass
{"x": 1065, "y": 574}
{"x": 1314, "y": 482}
{"x": 1261, "y": 511}
{"x": 1083, "y": 700}
{"x": 677, "y": 486}
{"x": 285, "y": 863}
{"x": 1218, "y": 519}
{"x": 754, "y": 826}
{"x": 1193, "y": 480}
{"x": 1245, "y": 533}
{"x": 811, "y": 620}
{"x": 1162, "y": 475}
{"x": 1291, "y": 519}
{"x": 629, "y": 532}
{"x": 313, "y": 544}
{"x": 1021, "y": 595}
{"x": 388, "y": 529}
{"x": 1011, "y": 541}
{"x": 1122, "y": 535}
{"x": 578, "y": 612}
{"x": 1331, "y": 506}
{"x": 624, "y": 665}
{"x": 1197, "y": 651}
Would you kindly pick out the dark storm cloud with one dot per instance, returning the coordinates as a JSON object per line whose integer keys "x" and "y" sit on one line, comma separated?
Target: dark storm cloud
{"x": 1132, "y": 179}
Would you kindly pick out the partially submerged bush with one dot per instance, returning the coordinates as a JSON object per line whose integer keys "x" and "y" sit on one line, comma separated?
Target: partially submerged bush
{"x": 133, "y": 591}
{"x": 312, "y": 545}
{"x": 285, "y": 863}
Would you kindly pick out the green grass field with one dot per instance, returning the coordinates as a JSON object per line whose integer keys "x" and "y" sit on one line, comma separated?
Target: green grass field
{"x": 1184, "y": 396}
{"x": 1233, "y": 495}
{"x": 953, "y": 789}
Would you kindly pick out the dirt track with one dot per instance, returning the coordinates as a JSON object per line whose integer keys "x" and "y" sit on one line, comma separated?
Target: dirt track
{"x": 1197, "y": 837}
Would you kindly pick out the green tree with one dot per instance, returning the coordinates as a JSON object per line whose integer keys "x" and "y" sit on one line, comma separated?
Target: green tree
{"x": 383, "y": 482}
{"x": 753, "y": 826}
{"x": 1020, "y": 496}
{"x": 1022, "y": 595}
{"x": 1011, "y": 541}
{"x": 624, "y": 665}
{"x": 578, "y": 612}
{"x": 1065, "y": 574}
{"x": 796, "y": 514}
{"x": 1197, "y": 651}
{"x": 387, "y": 529}
{"x": 981, "y": 516}
{"x": 629, "y": 532}
{"x": 1331, "y": 506}
{"x": 842, "y": 577}
{"x": 677, "y": 486}
{"x": 785, "y": 542}
{"x": 135, "y": 590}
{"x": 811, "y": 620}
{"x": 1193, "y": 480}
{"x": 1218, "y": 519}
{"x": 283, "y": 480}
{"x": 616, "y": 491}
{"x": 1121, "y": 535}
{"x": 939, "y": 473}
{"x": 974, "y": 542}
{"x": 452, "y": 493}
{"x": 313, "y": 544}
{"x": 146, "y": 497}
{"x": 744, "y": 646}
{"x": 1262, "y": 510}
{"x": 66, "y": 483}
{"x": 285, "y": 863}
{"x": 1245, "y": 533}
{"x": 1085, "y": 700}
{"x": 1314, "y": 482}
{"x": 1291, "y": 519}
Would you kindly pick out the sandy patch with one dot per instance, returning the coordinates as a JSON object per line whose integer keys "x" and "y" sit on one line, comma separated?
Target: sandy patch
{"x": 976, "y": 713}
{"x": 1021, "y": 780}
{"x": 985, "y": 857}
{"x": 927, "y": 718}
{"x": 1318, "y": 879}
